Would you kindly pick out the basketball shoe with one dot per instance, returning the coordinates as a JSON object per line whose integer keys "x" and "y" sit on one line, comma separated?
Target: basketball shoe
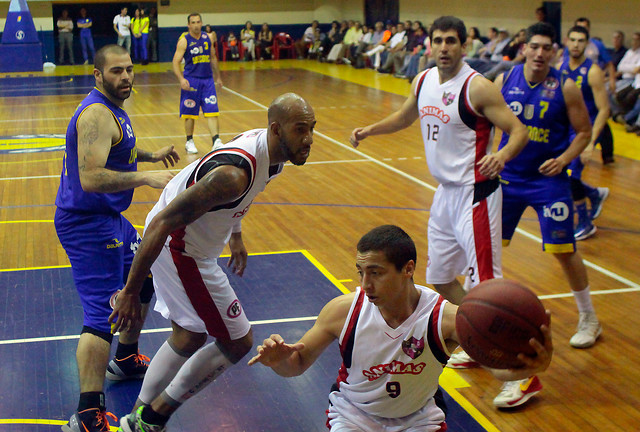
{"x": 131, "y": 367}
{"x": 133, "y": 423}
{"x": 89, "y": 420}
{"x": 589, "y": 329}
{"x": 190, "y": 147}
{"x": 217, "y": 144}
{"x": 597, "y": 200}
{"x": 461, "y": 360}
{"x": 585, "y": 230}
{"x": 515, "y": 393}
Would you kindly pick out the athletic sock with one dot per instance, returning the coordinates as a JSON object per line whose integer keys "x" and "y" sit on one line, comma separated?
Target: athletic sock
{"x": 189, "y": 137}
{"x": 91, "y": 400}
{"x": 202, "y": 368}
{"x": 149, "y": 416}
{"x": 125, "y": 350}
{"x": 583, "y": 214}
{"x": 163, "y": 368}
{"x": 583, "y": 300}
{"x": 214, "y": 138}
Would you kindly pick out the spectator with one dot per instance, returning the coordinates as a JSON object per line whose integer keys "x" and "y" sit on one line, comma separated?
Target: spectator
{"x": 65, "y": 36}
{"x": 396, "y": 44}
{"x": 474, "y": 42}
{"x": 265, "y": 41}
{"x": 619, "y": 49}
{"x": 86, "y": 38}
{"x": 213, "y": 36}
{"x": 144, "y": 37}
{"x": 414, "y": 45}
{"x": 233, "y": 46}
{"x": 248, "y": 38}
{"x": 376, "y": 36}
{"x": 137, "y": 34}
{"x": 351, "y": 39}
{"x": 307, "y": 40}
{"x": 122, "y": 24}
{"x": 332, "y": 35}
{"x": 379, "y": 48}
{"x": 624, "y": 96}
{"x": 152, "y": 42}
{"x": 336, "y": 49}
{"x": 512, "y": 54}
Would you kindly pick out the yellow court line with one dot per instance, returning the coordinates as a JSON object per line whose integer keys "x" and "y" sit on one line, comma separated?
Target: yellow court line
{"x": 30, "y": 161}
{"x": 27, "y": 221}
{"x": 42, "y": 422}
{"x": 325, "y": 272}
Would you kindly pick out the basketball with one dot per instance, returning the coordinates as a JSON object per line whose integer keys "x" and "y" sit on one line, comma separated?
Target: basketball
{"x": 496, "y": 320}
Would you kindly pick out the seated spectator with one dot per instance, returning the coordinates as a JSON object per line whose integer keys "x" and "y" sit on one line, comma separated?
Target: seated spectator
{"x": 336, "y": 49}
{"x": 493, "y": 52}
{"x": 376, "y": 36}
{"x": 232, "y": 41}
{"x": 376, "y": 51}
{"x": 512, "y": 54}
{"x": 330, "y": 40}
{"x": 622, "y": 98}
{"x": 396, "y": 44}
{"x": 619, "y": 49}
{"x": 474, "y": 42}
{"x": 420, "y": 61}
{"x": 414, "y": 46}
{"x": 315, "y": 48}
{"x": 248, "y": 39}
{"x": 308, "y": 38}
{"x": 486, "y": 51}
{"x": 351, "y": 39}
{"x": 265, "y": 41}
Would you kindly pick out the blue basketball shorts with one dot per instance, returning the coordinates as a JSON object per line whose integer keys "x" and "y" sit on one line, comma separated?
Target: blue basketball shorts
{"x": 202, "y": 94}
{"x": 575, "y": 168}
{"x": 551, "y": 198}
{"x": 100, "y": 248}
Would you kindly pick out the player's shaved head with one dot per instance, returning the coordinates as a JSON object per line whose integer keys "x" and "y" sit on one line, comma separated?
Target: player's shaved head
{"x": 101, "y": 56}
{"x": 285, "y": 106}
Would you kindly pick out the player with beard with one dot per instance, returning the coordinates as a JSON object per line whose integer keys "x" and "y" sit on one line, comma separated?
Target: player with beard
{"x": 198, "y": 213}
{"x": 99, "y": 174}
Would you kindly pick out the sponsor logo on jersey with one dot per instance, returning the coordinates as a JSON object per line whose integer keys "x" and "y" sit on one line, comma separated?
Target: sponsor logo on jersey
{"x": 434, "y": 111}
{"x": 234, "y": 310}
{"x": 192, "y": 43}
{"x": 548, "y": 94}
{"x": 537, "y": 134}
{"x": 395, "y": 367}
{"x": 551, "y": 83}
{"x": 116, "y": 244}
{"x": 529, "y": 110}
{"x": 413, "y": 347}
{"x": 448, "y": 98}
{"x": 189, "y": 103}
{"x": 583, "y": 70}
{"x": 515, "y": 91}
{"x": 211, "y": 100}
{"x": 121, "y": 120}
{"x": 558, "y": 211}
{"x": 516, "y": 107}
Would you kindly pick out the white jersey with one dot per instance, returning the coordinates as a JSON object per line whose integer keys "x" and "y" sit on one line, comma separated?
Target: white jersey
{"x": 455, "y": 136}
{"x": 390, "y": 372}
{"x": 206, "y": 237}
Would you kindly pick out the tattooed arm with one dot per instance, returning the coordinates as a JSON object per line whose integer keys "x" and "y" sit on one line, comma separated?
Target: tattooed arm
{"x": 221, "y": 185}
{"x": 97, "y": 131}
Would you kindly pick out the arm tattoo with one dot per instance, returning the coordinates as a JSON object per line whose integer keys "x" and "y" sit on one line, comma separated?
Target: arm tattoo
{"x": 145, "y": 156}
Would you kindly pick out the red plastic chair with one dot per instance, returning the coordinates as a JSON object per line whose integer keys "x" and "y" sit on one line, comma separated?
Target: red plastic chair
{"x": 283, "y": 42}
{"x": 226, "y": 48}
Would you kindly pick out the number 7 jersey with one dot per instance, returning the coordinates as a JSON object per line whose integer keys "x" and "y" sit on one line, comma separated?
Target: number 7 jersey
{"x": 455, "y": 136}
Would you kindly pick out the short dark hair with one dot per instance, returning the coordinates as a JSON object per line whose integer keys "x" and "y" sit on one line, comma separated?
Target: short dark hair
{"x": 583, "y": 19}
{"x": 542, "y": 29}
{"x": 101, "y": 55}
{"x": 192, "y": 15}
{"x": 396, "y": 244}
{"x": 579, "y": 29}
{"x": 448, "y": 22}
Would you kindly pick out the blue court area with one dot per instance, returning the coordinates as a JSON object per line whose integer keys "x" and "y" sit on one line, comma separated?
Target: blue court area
{"x": 46, "y": 85}
{"x": 40, "y": 317}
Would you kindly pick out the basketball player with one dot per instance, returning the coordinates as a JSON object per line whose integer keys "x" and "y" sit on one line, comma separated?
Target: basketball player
{"x": 99, "y": 174}
{"x": 394, "y": 337}
{"x": 199, "y": 211}
{"x": 549, "y": 105}
{"x": 457, "y": 108}
{"x": 197, "y": 85}
{"x": 590, "y": 80}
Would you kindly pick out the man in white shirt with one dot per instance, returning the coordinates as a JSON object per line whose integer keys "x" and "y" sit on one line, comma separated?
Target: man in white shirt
{"x": 121, "y": 25}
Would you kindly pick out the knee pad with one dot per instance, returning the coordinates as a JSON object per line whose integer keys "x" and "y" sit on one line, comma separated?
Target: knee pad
{"x": 147, "y": 290}
{"x": 577, "y": 189}
{"x": 102, "y": 335}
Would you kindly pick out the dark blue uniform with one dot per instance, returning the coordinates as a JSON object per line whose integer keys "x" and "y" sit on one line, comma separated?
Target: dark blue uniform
{"x": 99, "y": 241}
{"x": 541, "y": 108}
{"x": 197, "y": 70}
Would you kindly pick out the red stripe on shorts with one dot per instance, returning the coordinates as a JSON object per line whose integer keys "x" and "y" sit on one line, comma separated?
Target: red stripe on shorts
{"x": 482, "y": 237}
{"x": 195, "y": 288}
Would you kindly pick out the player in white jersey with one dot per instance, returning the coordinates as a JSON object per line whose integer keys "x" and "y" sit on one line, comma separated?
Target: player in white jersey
{"x": 457, "y": 108}
{"x": 198, "y": 213}
{"x": 394, "y": 338}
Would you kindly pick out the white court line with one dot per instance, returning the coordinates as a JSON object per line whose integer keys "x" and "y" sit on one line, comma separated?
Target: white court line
{"x": 148, "y": 331}
{"x": 416, "y": 180}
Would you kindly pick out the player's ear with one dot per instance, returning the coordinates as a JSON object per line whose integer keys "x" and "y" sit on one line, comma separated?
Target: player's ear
{"x": 409, "y": 268}
{"x": 275, "y": 128}
{"x": 97, "y": 75}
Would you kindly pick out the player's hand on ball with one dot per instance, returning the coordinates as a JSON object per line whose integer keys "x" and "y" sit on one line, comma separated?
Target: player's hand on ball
{"x": 274, "y": 350}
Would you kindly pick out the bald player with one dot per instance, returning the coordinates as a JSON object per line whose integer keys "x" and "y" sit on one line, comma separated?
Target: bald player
{"x": 199, "y": 211}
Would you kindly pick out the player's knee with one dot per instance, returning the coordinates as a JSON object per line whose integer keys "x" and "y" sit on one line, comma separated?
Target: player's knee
{"x": 235, "y": 349}
{"x": 108, "y": 337}
{"x": 185, "y": 341}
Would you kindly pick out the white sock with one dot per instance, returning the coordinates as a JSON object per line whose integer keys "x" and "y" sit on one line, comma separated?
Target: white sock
{"x": 202, "y": 368}
{"x": 162, "y": 369}
{"x": 583, "y": 300}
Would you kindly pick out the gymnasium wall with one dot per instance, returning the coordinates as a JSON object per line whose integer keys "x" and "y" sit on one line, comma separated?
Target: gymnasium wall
{"x": 293, "y": 16}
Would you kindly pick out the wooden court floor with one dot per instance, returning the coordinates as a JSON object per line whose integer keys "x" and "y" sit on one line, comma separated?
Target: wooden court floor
{"x": 325, "y": 206}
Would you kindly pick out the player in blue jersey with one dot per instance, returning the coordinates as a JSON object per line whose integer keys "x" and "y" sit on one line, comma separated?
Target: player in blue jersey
{"x": 549, "y": 106}
{"x": 99, "y": 174}
{"x": 590, "y": 80}
{"x": 197, "y": 84}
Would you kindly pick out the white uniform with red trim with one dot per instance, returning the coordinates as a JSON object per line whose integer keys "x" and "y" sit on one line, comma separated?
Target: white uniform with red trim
{"x": 465, "y": 227}
{"x": 388, "y": 376}
{"x": 191, "y": 288}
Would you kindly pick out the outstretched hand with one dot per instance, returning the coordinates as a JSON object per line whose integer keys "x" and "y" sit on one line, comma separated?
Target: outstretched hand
{"x": 274, "y": 350}
{"x": 167, "y": 155}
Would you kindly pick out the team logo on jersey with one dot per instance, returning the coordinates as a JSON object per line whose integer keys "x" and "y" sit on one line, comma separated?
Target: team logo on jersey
{"x": 583, "y": 70}
{"x": 189, "y": 103}
{"x": 529, "y": 110}
{"x": 558, "y": 211}
{"x": 192, "y": 43}
{"x": 234, "y": 309}
{"x": 413, "y": 347}
{"x": 448, "y": 98}
{"x": 434, "y": 112}
{"x": 515, "y": 91}
{"x": 551, "y": 83}
{"x": 516, "y": 107}
{"x": 395, "y": 367}
{"x": 196, "y": 50}
{"x": 211, "y": 100}
{"x": 548, "y": 94}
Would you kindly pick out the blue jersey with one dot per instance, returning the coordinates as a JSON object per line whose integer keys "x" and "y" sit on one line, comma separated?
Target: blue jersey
{"x": 122, "y": 157}
{"x": 581, "y": 76}
{"x": 85, "y": 31}
{"x": 542, "y": 109}
{"x": 197, "y": 57}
